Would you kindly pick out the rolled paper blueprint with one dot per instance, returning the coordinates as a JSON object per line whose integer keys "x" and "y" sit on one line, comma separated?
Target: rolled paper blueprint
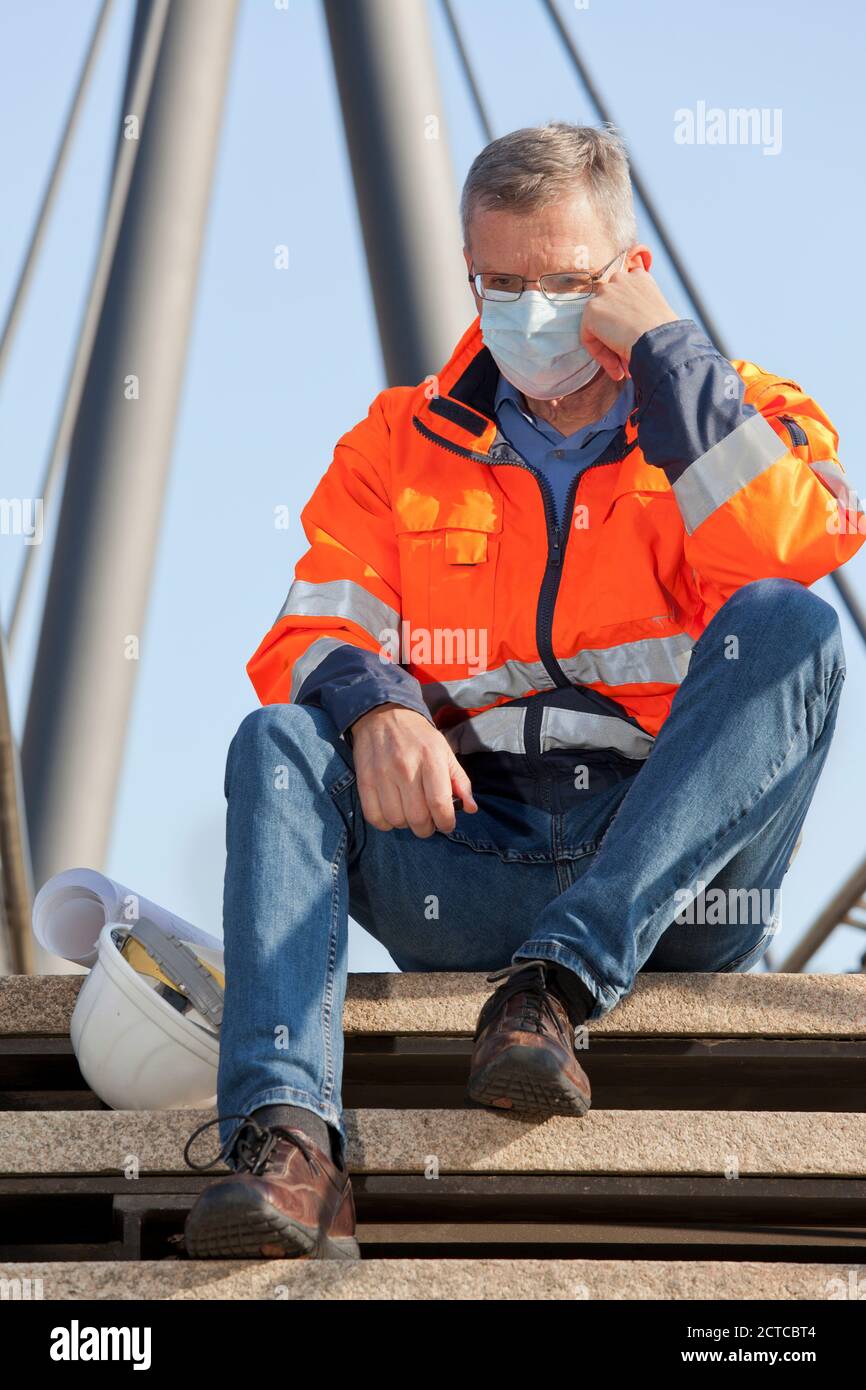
{"x": 72, "y": 908}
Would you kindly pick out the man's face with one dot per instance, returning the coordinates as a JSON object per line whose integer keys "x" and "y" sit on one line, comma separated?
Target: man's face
{"x": 568, "y": 235}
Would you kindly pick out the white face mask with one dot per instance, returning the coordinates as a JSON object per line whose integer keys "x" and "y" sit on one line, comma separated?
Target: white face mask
{"x": 536, "y": 344}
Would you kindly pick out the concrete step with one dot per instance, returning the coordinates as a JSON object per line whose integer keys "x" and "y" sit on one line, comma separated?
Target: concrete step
{"x": 430, "y": 1142}
{"x": 701, "y": 1005}
{"x": 436, "y": 1279}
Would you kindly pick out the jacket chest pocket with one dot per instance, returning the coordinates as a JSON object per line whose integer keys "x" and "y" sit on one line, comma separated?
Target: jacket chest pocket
{"x": 449, "y": 590}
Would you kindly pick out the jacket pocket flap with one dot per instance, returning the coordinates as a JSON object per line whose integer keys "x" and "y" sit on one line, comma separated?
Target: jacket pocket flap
{"x": 465, "y": 547}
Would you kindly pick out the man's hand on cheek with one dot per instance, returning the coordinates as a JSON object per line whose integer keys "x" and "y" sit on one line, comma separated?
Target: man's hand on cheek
{"x": 621, "y": 311}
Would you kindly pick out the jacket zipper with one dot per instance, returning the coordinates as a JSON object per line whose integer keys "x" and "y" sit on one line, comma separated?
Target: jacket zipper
{"x": 798, "y": 435}
{"x": 557, "y": 540}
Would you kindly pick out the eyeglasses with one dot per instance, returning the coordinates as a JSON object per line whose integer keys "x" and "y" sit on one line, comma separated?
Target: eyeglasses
{"x": 559, "y": 287}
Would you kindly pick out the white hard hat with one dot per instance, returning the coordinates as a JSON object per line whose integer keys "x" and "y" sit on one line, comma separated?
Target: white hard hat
{"x": 145, "y": 1027}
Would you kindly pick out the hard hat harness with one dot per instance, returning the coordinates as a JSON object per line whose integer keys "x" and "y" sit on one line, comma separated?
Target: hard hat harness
{"x": 184, "y": 971}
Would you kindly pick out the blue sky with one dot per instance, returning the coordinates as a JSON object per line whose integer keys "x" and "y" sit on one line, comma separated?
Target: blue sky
{"x": 280, "y": 364}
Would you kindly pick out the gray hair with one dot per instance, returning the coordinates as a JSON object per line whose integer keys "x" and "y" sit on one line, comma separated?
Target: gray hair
{"x": 539, "y": 165}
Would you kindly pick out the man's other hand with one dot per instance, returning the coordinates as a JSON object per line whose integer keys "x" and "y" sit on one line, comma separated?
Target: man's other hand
{"x": 621, "y": 310}
{"x": 406, "y": 772}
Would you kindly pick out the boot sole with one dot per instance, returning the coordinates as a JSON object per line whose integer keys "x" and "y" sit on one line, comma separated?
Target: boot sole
{"x": 528, "y": 1081}
{"x": 243, "y": 1225}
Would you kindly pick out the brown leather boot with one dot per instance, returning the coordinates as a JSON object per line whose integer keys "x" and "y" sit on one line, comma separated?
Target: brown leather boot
{"x": 286, "y": 1199}
{"x": 524, "y": 1058}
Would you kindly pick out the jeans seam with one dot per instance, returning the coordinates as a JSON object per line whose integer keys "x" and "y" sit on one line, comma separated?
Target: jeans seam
{"x": 836, "y": 677}
{"x": 564, "y": 877}
{"x": 486, "y": 847}
{"x": 744, "y": 955}
{"x": 291, "y": 1095}
{"x": 328, "y": 998}
{"x": 343, "y": 781}
{"x": 731, "y": 825}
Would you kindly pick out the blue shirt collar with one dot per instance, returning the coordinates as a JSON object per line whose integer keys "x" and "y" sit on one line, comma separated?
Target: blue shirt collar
{"x": 615, "y": 417}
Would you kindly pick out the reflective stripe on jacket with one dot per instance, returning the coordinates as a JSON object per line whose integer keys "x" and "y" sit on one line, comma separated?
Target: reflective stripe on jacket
{"x": 436, "y": 577}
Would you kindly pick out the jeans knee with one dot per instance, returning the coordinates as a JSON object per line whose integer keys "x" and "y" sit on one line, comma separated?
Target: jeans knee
{"x": 275, "y": 734}
{"x": 805, "y": 619}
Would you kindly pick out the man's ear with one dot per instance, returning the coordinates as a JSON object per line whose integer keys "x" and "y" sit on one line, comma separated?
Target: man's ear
{"x": 640, "y": 257}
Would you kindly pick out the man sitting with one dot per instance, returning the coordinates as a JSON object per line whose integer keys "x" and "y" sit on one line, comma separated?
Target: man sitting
{"x": 564, "y": 585}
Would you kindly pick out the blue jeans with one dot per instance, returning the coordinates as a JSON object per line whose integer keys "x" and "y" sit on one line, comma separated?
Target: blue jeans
{"x": 646, "y": 874}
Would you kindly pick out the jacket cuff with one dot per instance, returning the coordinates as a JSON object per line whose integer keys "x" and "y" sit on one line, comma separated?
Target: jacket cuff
{"x": 350, "y": 681}
{"x": 688, "y": 398}
{"x": 663, "y": 349}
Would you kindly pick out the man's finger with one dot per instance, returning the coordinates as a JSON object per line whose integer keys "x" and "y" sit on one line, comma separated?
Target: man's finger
{"x": 371, "y": 808}
{"x": 461, "y": 786}
{"x": 415, "y": 808}
{"x": 437, "y": 791}
{"x": 605, "y": 356}
{"x": 392, "y": 804}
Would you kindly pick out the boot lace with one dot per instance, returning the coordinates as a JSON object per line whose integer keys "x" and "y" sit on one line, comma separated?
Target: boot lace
{"x": 250, "y": 1145}
{"x": 530, "y": 981}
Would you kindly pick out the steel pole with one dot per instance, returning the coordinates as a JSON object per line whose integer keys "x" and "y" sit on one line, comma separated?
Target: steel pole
{"x": 404, "y": 182}
{"x": 109, "y": 521}
{"x": 18, "y": 955}
{"x": 852, "y": 892}
{"x": 150, "y": 23}
{"x": 52, "y": 187}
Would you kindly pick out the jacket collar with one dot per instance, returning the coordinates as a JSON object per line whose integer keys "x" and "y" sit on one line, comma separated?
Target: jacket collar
{"x": 456, "y": 406}
{"x": 460, "y": 410}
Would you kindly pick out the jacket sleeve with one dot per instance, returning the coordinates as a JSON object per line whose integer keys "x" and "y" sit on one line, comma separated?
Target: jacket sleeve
{"x": 336, "y": 641}
{"x": 751, "y": 461}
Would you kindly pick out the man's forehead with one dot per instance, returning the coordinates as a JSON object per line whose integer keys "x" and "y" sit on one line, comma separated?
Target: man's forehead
{"x": 571, "y": 226}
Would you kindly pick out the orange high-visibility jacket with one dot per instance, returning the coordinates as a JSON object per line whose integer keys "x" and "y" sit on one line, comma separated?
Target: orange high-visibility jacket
{"x": 438, "y": 578}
